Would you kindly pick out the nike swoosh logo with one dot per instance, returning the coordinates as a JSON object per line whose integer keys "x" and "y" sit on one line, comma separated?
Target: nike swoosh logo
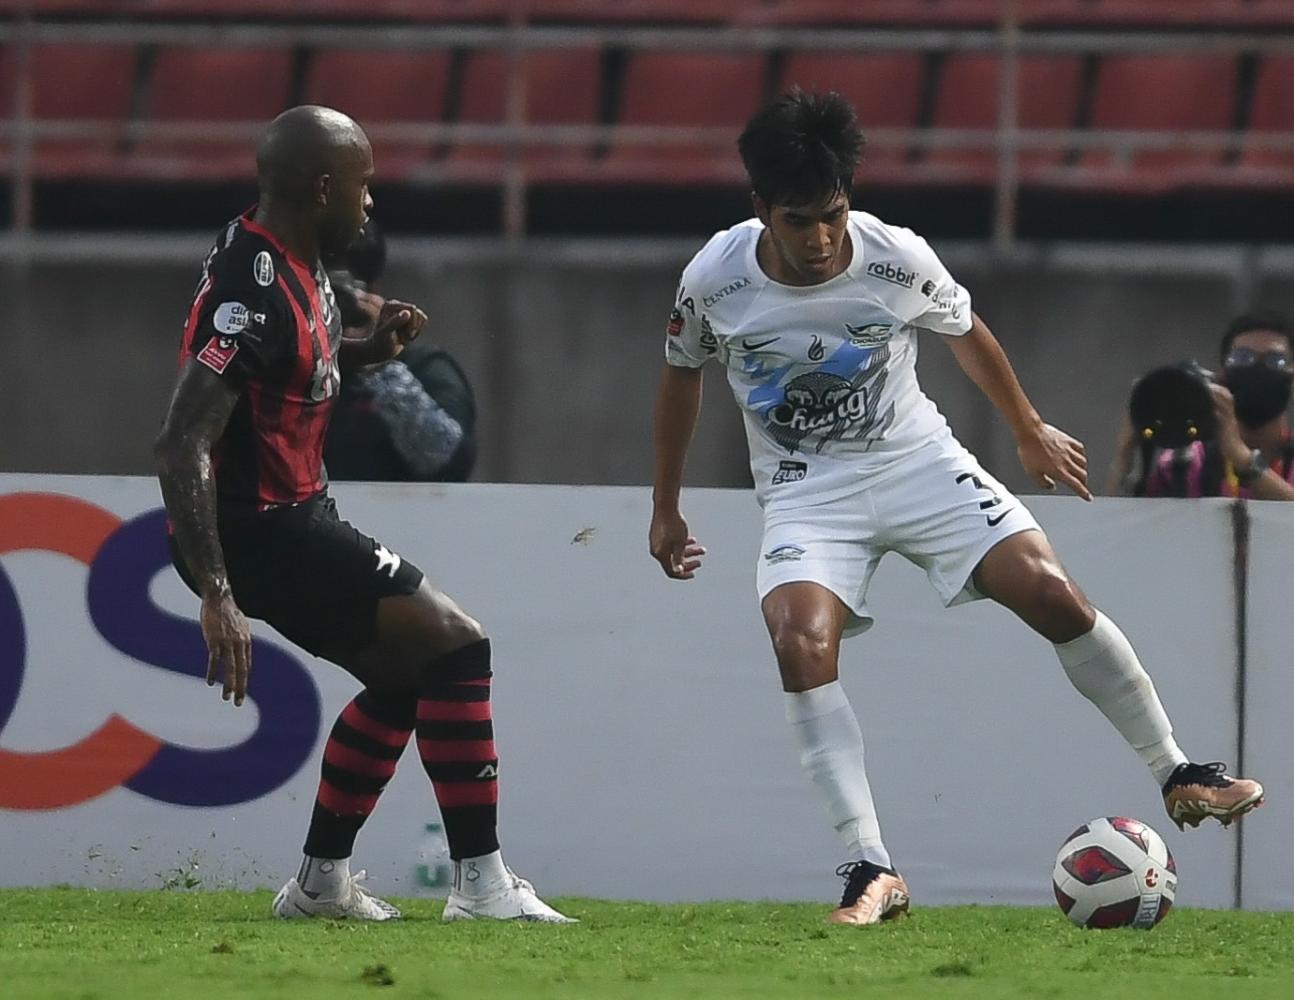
{"x": 993, "y": 522}
{"x": 748, "y": 346}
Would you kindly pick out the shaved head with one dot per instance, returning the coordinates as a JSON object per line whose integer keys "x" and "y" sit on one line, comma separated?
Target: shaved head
{"x": 317, "y": 162}
{"x": 303, "y": 143}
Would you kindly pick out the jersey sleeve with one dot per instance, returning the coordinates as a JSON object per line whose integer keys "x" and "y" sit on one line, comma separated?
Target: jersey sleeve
{"x": 943, "y": 305}
{"x": 684, "y": 347}
{"x": 241, "y": 328}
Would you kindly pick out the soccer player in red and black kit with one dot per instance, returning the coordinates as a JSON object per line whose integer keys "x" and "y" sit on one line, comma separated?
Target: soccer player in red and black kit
{"x": 255, "y": 532}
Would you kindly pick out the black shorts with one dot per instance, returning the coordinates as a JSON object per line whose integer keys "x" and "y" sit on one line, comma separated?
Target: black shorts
{"x": 308, "y": 573}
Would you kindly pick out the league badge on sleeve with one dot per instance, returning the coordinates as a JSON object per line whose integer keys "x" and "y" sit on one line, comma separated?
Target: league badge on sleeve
{"x": 218, "y": 353}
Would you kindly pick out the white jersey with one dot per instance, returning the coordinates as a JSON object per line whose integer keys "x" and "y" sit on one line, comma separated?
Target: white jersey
{"x": 825, "y": 374}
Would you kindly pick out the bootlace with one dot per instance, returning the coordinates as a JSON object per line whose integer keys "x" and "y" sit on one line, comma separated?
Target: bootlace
{"x": 858, "y": 875}
{"x": 1211, "y": 775}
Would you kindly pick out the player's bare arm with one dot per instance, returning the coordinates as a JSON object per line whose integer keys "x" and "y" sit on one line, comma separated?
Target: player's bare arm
{"x": 1047, "y": 453}
{"x": 199, "y": 410}
{"x": 678, "y": 403}
{"x": 396, "y": 324}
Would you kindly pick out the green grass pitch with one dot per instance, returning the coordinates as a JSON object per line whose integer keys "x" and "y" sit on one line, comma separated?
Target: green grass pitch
{"x": 75, "y": 944}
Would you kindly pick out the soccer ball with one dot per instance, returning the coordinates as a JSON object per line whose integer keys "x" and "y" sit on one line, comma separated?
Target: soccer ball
{"x": 1115, "y": 872}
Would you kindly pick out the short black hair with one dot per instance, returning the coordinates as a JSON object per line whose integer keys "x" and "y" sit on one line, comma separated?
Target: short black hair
{"x": 365, "y": 258}
{"x": 802, "y": 148}
{"x": 1261, "y": 319}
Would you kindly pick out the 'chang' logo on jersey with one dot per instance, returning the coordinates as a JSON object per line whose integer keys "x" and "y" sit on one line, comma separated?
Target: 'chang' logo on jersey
{"x": 833, "y": 408}
{"x": 894, "y": 273}
{"x": 726, "y": 290}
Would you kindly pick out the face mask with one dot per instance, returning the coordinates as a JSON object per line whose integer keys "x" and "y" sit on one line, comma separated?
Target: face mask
{"x": 1262, "y": 394}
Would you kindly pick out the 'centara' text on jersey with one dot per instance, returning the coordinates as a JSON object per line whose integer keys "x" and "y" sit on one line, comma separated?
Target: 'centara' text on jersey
{"x": 825, "y": 374}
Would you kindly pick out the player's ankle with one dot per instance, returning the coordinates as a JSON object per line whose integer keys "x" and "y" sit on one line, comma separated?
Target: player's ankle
{"x": 482, "y": 875}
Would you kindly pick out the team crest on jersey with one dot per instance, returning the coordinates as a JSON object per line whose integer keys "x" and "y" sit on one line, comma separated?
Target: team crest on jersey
{"x": 869, "y": 334}
{"x": 675, "y": 325}
{"x": 263, "y": 269}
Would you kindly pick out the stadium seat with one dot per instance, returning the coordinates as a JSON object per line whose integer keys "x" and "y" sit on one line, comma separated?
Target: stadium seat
{"x": 827, "y": 13}
{"x": 700, "y": 89}
{"x": 303, "y": 10}
{"x": 1272, "y": 110}
{"x": 1165, "y": 94}
{"x": 377, "y": 86}
{"x": 87, "y": 83}
{"x": 561, "y": 88}
{"x": 211, "y": 85}
{"x": 968, "y": 99}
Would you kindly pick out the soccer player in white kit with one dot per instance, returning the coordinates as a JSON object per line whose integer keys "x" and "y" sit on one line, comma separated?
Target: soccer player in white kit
{"x": 814, "y": 311}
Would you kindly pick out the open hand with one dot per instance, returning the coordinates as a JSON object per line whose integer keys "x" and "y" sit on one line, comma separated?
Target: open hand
{"x": 1051, "y": 456}
{"x": 229, "y": 646}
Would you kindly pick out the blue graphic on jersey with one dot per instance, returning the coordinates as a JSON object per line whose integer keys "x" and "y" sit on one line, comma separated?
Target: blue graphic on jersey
{"x": 839, "y": 396}
{"x": 845, "y": 362}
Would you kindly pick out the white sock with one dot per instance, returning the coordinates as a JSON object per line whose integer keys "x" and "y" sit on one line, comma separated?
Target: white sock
{"x": 323, "y": 878}
{"x": 1104, "y": 668}
{"x": 831, "y": 751}
{"x": 480, "y": 876}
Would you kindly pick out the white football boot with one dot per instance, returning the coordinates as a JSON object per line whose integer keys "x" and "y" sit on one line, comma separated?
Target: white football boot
{"x": 354, "y": 903}
{"x": 515, "y": 900}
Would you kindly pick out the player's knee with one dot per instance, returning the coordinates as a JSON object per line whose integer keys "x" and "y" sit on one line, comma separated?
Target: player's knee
{"x": 1059, "y": 608}
{"x": 803, "y": 651}
{"x": 458, "y": 629}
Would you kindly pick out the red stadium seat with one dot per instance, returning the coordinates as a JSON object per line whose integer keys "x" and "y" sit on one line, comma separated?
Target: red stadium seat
{"x": 212, "y": 85}
{"x": 968, "y": 99}
{"x": 561, "y": 88}
{"x": 1272, "y": 110}
{"x": 828, "y": 13}
{"x": 706, "y": 89}
{"x": 376, "y": 86}
{"x": 1159, "y": 93}
{"x": 81, "y": 82}
{"x": 215, "y": 84}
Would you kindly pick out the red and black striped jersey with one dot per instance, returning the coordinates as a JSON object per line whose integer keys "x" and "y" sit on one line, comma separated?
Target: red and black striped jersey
{"x": 267, "y": 321}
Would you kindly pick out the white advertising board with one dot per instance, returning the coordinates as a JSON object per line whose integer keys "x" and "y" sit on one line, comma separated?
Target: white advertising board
{"x": 640, "y": 720}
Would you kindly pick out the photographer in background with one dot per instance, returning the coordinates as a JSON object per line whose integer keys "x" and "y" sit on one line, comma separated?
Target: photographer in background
{"x": 408, "y": 420}
{"x": 1245, "y": 449}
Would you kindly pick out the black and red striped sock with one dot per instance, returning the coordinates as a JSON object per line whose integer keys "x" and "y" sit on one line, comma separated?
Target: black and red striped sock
{"x": 359, "y": 759}
{"x": 456, "y": 743}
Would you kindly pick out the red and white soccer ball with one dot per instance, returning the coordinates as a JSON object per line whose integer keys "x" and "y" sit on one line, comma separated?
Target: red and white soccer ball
{"x": 1115, "y": 872}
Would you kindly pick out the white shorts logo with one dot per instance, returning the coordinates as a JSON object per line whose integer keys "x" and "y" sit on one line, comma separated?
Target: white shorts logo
{"x": 784, "y": 553}
{"x": 263, "y": 268}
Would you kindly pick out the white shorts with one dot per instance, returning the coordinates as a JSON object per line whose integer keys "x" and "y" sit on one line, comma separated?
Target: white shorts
{"x": 943, "y": 513}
